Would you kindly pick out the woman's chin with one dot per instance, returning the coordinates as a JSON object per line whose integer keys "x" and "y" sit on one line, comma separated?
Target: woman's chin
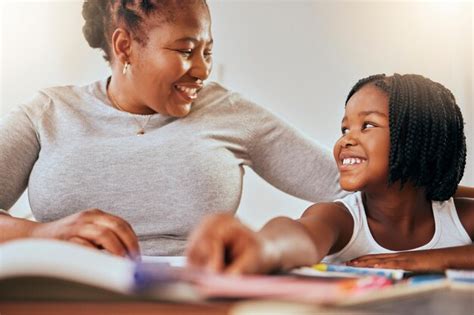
{"x": 179, "y": 111}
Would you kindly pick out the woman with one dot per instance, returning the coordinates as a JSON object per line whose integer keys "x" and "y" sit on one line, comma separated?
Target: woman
{"x": 151, "y": 145}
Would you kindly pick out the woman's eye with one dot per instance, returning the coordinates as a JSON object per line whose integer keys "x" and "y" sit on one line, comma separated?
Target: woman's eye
{"x": 185, "y": 52}
{"x": 208, "y": 53}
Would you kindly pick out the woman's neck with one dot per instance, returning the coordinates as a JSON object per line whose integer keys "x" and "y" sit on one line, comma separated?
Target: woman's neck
{"x": 121, "y": 98}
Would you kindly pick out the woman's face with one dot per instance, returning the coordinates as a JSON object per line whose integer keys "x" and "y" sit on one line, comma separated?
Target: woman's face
{"x": 169, "y": 70}
{"x": 362, "y": 152}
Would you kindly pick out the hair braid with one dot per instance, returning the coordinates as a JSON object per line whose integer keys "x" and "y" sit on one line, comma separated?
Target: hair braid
{"x": 427, "y": 141}
{"x": 425, "y": 138}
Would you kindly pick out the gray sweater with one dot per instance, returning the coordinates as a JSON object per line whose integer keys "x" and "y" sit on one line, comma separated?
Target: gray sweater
{"x": 74, "y": 151}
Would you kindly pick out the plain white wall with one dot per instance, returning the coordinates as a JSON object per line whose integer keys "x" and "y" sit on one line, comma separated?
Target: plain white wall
{"x": 297, "y": 58}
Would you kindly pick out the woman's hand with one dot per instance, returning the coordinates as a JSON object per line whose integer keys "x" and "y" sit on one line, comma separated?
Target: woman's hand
{"x": 93, "y": 228}
{"x": 460, "y": 257}
{"x": 221, "y": 243}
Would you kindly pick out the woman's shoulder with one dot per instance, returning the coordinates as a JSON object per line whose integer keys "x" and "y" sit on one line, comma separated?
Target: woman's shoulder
{"x": 215, "y": 99}
{"x": 58, "y": 97}
{"x": 69, "y": 93}
{"x": 214, "y": 94}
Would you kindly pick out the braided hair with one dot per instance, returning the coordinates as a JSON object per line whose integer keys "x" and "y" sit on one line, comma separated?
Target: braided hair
{"x": 427, "y": 141}
{"x": 102, "y": 17}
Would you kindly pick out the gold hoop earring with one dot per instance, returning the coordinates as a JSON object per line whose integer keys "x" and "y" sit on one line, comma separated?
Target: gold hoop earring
{"x": 125, "y": 67}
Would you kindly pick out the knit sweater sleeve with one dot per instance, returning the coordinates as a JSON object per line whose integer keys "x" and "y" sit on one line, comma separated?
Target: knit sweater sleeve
{"x": 288, "y": 159}
{"x": 19, "y": 149}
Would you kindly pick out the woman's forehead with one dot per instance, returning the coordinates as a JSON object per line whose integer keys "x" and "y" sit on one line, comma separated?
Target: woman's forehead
{"x": 189, "y": 24}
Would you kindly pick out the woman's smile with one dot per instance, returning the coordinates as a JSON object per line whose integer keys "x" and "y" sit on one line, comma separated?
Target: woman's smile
{"x": 187, "y": 91}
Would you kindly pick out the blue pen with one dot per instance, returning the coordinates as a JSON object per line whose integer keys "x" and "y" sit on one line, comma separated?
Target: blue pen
{"x": 395, "y": 274}
{"x": 426, "y": 278}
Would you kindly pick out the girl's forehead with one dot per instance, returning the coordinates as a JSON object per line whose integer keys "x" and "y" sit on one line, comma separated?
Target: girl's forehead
{"x": 369, "y": 98}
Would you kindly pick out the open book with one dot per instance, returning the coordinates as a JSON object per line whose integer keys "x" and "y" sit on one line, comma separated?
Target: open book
{"x": 51, "y": 269}
{"x": 44, "y": 269}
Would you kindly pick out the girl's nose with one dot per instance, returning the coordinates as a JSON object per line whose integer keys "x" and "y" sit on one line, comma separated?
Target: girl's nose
{"x": 349, "y": 140}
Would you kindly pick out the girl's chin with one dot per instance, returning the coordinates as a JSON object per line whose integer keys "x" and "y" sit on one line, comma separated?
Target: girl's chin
{"x": 350, "y": 186}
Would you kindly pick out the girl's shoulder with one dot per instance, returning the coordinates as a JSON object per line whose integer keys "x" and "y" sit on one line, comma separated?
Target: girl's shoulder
{"x": 465, "y": 210}
{"x": 336, "y": 211}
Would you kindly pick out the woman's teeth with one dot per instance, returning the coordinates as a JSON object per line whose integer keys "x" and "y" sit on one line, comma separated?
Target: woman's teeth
{"x": 351, "y": 161}
{"x": 190, "y": 92}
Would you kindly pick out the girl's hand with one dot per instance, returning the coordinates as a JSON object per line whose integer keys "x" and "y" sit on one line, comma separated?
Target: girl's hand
{"x": 93, "y": 228}
{"x": 458, "y": 257}
{"x": 423, "y": 260}
{"x": 221, "y": 243}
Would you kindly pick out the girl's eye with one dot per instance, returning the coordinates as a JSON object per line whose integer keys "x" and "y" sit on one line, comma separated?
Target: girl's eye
{"x": 344, "y": 130}
{"x": 368, "y": 125}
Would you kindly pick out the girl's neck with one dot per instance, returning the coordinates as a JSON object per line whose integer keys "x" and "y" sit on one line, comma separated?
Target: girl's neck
{"x": 399, "y": 208}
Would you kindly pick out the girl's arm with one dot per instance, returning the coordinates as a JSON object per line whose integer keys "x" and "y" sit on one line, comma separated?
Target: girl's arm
{"x": 222, "y": 243}
{"x": 464, "y": 192}
{"x": 460, "y": 257}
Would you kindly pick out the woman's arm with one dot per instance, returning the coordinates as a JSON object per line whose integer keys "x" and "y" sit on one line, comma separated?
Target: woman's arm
{"x": 19, "y": 150}
{"x": 222, "y": 243}
{"x": 286, "y": 158}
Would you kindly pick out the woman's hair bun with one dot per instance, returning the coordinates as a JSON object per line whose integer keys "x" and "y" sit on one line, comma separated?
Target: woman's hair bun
{"x": 95, "y": 13}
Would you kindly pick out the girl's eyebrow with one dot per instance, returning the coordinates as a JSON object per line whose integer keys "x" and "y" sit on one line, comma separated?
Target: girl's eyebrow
{"x": 369, "y": 112}
{"x": 366, "y": 113}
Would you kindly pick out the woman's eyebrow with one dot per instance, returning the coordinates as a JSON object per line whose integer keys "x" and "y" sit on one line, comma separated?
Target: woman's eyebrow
{"x": 194, "y": 40}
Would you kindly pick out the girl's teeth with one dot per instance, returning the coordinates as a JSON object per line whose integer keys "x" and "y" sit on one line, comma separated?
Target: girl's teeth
{"x": 351, "y": 161}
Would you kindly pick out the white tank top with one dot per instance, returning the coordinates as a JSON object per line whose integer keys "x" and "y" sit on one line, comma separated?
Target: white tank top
{"x": 449, "y": 231}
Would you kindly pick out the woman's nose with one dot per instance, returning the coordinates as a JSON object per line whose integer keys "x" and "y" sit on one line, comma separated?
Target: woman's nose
{"x": 201, "y": 67}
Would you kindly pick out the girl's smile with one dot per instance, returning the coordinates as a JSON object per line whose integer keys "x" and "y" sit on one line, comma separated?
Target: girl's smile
{"x": 362, "y": 152}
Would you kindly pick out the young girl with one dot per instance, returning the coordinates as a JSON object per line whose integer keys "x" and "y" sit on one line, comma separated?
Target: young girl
{"x": 402, "y": 151}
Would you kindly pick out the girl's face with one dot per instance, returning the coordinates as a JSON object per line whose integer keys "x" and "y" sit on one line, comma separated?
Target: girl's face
{"x": 362, "y": 152}
{"x": 169, "y": 70}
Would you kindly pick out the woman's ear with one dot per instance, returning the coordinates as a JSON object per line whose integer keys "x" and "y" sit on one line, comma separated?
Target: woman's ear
{"x": 121, "y": 45}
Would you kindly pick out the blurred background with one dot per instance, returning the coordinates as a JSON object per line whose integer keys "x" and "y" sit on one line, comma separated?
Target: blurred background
{"x": 297, "y": 58}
